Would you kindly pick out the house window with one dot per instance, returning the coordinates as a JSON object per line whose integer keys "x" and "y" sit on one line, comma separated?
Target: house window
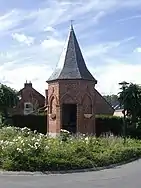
{"x": 27, "y": 105}
{"x": 28, "y": 108}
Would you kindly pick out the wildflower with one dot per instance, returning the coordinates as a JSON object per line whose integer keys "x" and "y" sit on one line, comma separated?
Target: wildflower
{"x": 36, "y": 145}
{"x": 64, "y": 131}
{"x": 19, "y": 150}
{"x": 47, "y": 147}
{"x": 35, "y": 131}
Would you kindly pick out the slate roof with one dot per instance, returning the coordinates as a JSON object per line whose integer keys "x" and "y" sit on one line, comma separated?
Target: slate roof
{"x": 71, "y": 64}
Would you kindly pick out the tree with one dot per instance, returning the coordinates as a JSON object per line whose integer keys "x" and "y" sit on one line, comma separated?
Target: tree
{"x": 112, "y": 100}
{"x": 8, "y": 99}
{"x": 130, "y": 98}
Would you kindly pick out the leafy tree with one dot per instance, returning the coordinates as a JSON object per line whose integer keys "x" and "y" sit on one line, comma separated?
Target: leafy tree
{"x": 130, "y": 99}
{"x": 112, "y": 99}
{"x": 8, "y": 99}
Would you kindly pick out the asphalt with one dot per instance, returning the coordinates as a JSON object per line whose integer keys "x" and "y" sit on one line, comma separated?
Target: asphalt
{"x": 125, "y": 176}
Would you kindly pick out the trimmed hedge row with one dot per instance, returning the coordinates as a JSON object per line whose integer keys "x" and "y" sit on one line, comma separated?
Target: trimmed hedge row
{"x": 111, "y": 124}
{"x": 104, "y": 124}
{"x": 32, "y": 122}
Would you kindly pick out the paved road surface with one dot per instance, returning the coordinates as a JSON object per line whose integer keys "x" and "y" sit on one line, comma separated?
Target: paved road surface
{"x": 127, "y": 176}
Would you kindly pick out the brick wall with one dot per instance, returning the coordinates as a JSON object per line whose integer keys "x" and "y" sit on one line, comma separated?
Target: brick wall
{"x": 102, "y": 106}
{"x": 29, "y": 94}
{"x": 79, "y": 92}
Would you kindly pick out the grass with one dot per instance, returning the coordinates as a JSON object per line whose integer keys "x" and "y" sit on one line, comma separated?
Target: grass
{"x": 21, "y": 149}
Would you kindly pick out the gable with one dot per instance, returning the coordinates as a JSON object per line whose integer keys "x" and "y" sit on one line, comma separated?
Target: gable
{"x": 102, "y": 106}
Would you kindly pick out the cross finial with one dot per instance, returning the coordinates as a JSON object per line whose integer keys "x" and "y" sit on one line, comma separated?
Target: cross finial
{"x": 72, "y": 24}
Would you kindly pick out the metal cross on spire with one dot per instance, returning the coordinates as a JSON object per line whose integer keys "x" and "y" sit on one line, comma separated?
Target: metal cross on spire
{"x": 72, "y": 24}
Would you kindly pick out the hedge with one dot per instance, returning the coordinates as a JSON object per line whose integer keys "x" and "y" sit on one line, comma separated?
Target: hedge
{"x": 104, "y": 124}
{"x": 33, "y": 122}
{"x": 111, "y": 124}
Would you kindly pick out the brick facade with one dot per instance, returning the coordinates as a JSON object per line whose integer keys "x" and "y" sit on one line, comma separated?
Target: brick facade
{"x": 29, "y": 94}
{"x": 79, "y": 92}
{"x": 102, "y": 106}
{"x": 72, "y": 83}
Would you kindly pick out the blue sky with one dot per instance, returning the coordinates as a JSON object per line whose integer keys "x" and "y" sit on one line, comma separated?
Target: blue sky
{"x": 33, "y": 34}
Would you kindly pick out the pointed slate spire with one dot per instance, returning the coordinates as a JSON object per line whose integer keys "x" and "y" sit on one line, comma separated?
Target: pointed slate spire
{"x": 71, "y": 64}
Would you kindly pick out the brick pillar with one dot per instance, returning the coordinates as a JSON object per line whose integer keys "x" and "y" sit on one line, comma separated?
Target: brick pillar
{"x": 94, "y": 126}
{"x": 54, "y": 125}
{"x": 79, "y": 119}
{"x": 58, "y": 119}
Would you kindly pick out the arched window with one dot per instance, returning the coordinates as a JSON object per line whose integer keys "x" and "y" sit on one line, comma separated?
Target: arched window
{"x": 87, "y": 104}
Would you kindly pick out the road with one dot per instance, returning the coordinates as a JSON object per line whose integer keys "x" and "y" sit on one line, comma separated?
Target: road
{"x": 126, "y": 176}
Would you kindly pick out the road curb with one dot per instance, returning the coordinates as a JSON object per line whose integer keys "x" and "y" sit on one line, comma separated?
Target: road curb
{"x": 26, "y": 173}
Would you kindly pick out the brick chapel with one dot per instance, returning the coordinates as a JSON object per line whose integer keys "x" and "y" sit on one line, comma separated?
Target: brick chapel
{"x": 71, "y": 100}
{"x": 72, "y": 97}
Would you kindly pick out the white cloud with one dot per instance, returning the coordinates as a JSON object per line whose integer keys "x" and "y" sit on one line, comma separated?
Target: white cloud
{"x": 8, "y": 20}
{"x": 103, "y": 48}
{"x": 11, "y": 20}
{"x": 49, "y": 28}
{"x": 52, "y": 43}
{"x": 37, "y": 62}
{"x": 38, "y": 74}
{"x": 100, "y": 15}
{"x": 21, "y": 38}
{"x": 115, "y": 72}
{"x": 138, "y": 50}
{"x": 44, "y": 17}
{"x": 129, "y": 18}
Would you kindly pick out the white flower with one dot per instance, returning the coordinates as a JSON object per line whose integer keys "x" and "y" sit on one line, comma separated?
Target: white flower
{"x": 36, "y": 145}
{"x": 1, "y": 142}
{"x": 19, "y": 150}
{"x": 47, "y": 147}
{"x": 64, "y": 131}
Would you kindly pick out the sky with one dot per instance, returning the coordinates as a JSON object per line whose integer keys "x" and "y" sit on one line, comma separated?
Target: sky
{"x": 33, "y": 34}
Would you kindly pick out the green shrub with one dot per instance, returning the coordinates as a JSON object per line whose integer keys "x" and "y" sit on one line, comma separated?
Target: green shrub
{"x": 22, "y": 149}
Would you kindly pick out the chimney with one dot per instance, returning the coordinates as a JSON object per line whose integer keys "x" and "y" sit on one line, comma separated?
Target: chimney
{"x": 28, "y": 84}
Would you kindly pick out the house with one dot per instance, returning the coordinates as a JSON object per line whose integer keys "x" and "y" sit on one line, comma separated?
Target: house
{"x": 30, "y": 101}
{"x": 118, "y": 113}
